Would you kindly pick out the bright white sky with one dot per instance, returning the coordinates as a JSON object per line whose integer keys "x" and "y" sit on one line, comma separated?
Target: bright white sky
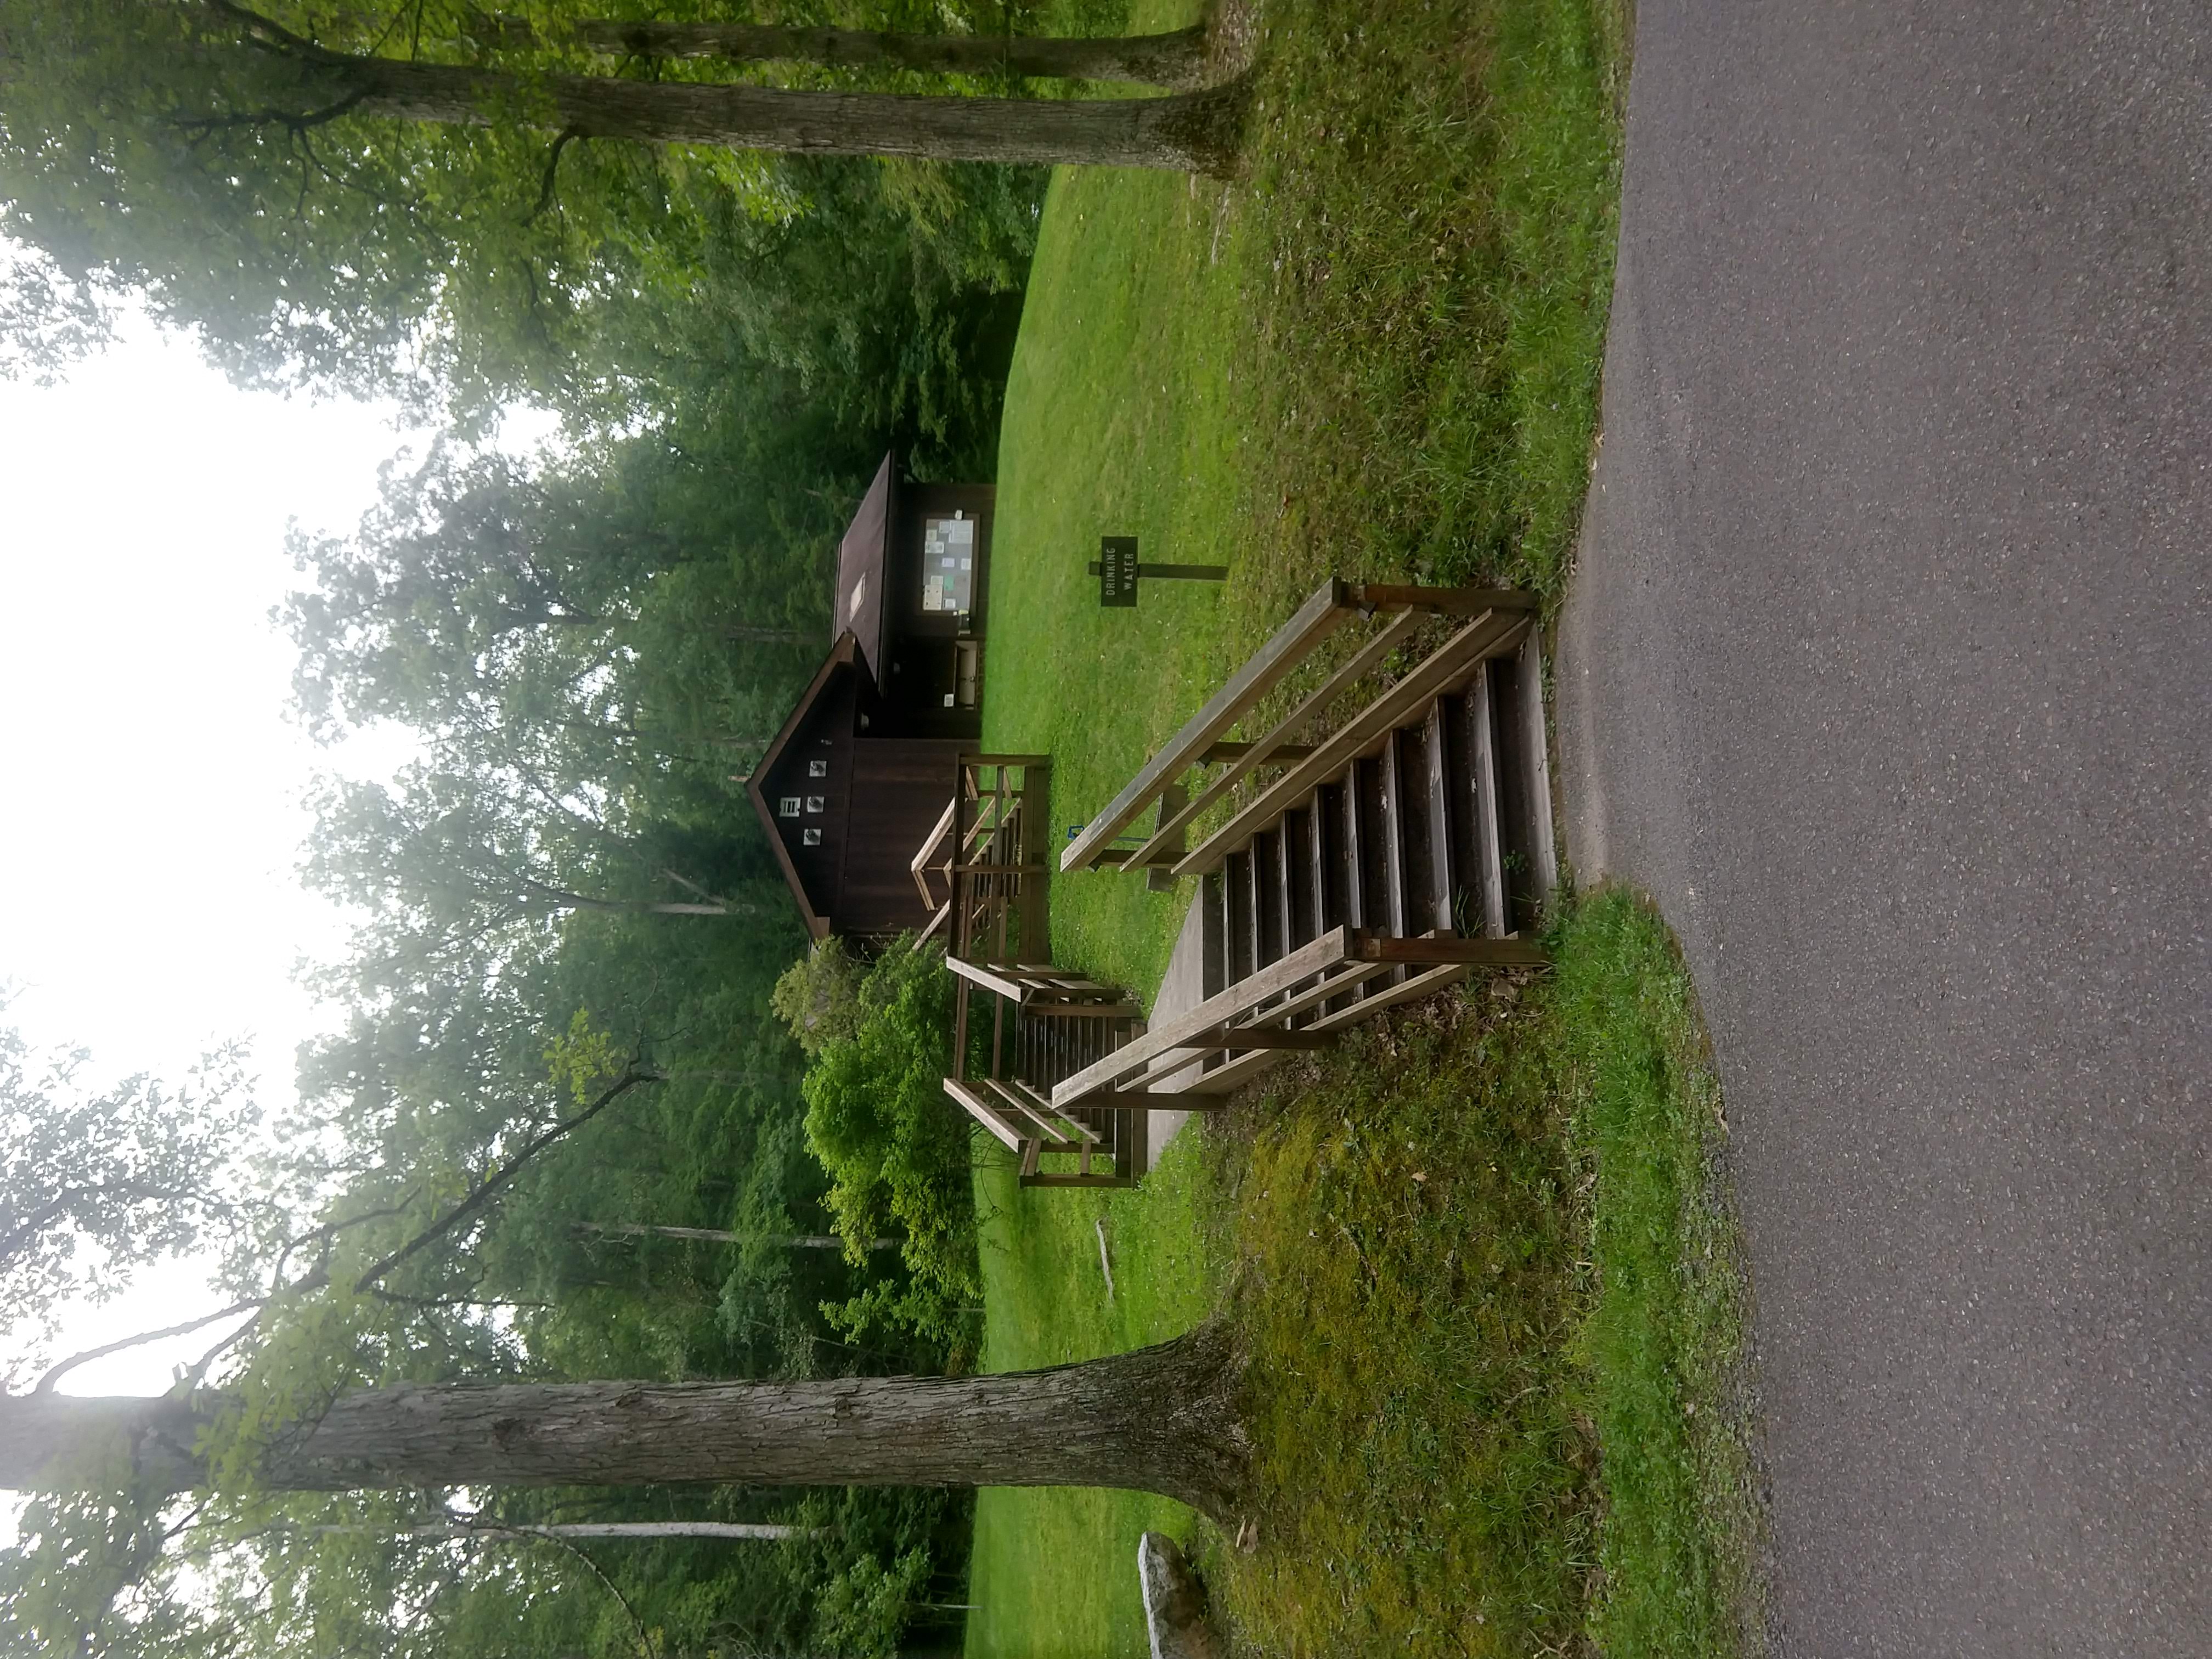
{"x": 153, "y": 782}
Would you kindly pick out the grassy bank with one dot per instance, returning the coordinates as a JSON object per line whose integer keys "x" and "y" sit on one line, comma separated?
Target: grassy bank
{"x": 1491, "y": 1293}
{"x": 1477, "y": 1254}
{"x": 1375, "y": 355}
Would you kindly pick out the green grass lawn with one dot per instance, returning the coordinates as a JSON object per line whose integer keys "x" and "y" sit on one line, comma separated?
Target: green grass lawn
{"x": 1477, "y": 1253}
{"x": 1492, "y": 1296}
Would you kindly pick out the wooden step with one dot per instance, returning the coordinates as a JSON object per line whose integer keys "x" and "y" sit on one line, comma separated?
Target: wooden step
{"x": 1331, "y": 866}
{"x": 1267, "y": 898}
{"x": 1366, "y": 793}
{"x": 1515, "y": 813}
{"x": 1396, "y": 908}
{"x": 1482, "y": 780}
{"x": 1237, "y": 905}
{"x": 1214, "y": 935}
{"x": 1296, "y": 842}
{"x": 1447, "y": 822}
{"x": 1428, "y": 856}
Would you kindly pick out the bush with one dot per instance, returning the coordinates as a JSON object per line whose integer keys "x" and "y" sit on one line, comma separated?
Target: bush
{"x": 819, "y": 996}
{"x": 897, "y": 1150}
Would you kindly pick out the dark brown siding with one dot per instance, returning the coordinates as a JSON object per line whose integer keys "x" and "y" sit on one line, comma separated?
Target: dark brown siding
{"x": 899, "y": 788}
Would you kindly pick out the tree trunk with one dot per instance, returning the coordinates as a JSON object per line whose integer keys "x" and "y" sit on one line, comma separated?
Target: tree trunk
{"x": 764, "y": 1531}
{"x": 718, "y": 1235}
{"x": 1193, "y": 132}
{"x": 1176, "y": 60}
{"x": 1162, "y": 1419}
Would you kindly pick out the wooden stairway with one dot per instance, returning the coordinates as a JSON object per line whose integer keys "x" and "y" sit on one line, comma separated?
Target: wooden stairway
{"x": 1376, "y": 858}
{"x": 1443, "y": 826}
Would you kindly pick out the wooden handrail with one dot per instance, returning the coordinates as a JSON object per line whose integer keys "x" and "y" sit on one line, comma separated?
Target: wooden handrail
{"x": 1316, "y": 619}
{"x": 1199, "y": 740}
{"x": 1273, "y": 743}
{"x": 1488, "y": 633}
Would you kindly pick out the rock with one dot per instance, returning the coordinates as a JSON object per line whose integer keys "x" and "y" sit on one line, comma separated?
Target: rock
{"x": 1175, "y": 1603}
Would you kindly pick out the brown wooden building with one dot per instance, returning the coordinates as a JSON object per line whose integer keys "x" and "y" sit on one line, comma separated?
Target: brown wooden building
{"x": 863, "y": 770}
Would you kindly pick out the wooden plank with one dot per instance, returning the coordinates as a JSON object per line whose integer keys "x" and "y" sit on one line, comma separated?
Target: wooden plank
{"x": 1317, "y": 618}
{"x": 1295, "y": 839}
{"x": 1485, "y": 785}
{"x": 1030, "y": 1179}
{"x": 1052, "y": 1125}
{"x": 1270, "y": 745}
{"x": 1355, "y": 850}
{"x": 1491, "y": 631}
{"x": 928, "y": 846}
{"x": 1397, "y": 901}
{"x": 1136, "y": 1143}
{"x": 1326, "y": 952}
{"x": 984, "y": 1113}
{"x": 1427, "y": 983}
{"x": 1267, "y": 897}
{"x": 1442, "y": 865}
{"x": 1229, "y": 749}
{"x": 996, "y": 982}
{"x": 1443, "y": 601}
{"x": 1156, "y": 1100}
{"x": 1237, "y": 902}
{"x": 1509, "y": 952}
{"x": 1543, "y": 852}
{"x": 1236, "y": 1038}
{"x": 1345, "y": 980}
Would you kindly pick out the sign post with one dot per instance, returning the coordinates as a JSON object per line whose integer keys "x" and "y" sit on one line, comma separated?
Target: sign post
{"x": 1117, "y": 570}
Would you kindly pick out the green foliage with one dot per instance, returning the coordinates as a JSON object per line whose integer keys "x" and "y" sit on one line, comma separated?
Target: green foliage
{"x": 819, "y": 996}
{"x": 176, "y": 151}
{"x": 897, "y": 1150}
{"x": 87, "y": 1575}
{"x": 583, "y": 1057}
{"x": 864, "y": 1609}
{"x": 97, "y": 1181}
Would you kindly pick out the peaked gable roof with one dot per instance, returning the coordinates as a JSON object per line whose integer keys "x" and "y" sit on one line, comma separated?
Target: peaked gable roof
{"x": 843, "y": 655}
{"x": 862, "y": 567}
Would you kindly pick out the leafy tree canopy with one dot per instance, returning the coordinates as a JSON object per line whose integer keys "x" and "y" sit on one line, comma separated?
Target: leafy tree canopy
{"x": 171, "y": 150}
{"x": 96, "y": 1182}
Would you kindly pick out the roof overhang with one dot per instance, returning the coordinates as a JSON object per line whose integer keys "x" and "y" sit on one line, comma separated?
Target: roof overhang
{"x": 843, "y": 655}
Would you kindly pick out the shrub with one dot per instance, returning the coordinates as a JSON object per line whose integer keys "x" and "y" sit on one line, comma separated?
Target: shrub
{"x": 819, "y": 995}
{"x": 897, "y": 1150}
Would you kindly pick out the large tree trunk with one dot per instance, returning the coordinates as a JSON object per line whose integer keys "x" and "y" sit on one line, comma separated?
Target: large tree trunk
{"x": 1176, "y": 60}
{"x": 767, "y": 1532}
{"x": 723, "y": 1236}
{"x": 1162, "y": 1419}
{"x": 1195, "y": 131}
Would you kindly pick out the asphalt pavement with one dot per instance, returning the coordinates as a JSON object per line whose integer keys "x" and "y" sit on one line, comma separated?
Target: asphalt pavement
{"x": 1888, "y": 671}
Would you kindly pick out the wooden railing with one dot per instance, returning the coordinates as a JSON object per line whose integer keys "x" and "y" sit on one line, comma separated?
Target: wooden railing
{"x": 1497, "y": 618}
{"x": 1000, "y": 833}
{"x": 1285, "y": 1006}
{"x": 1044, "y": 1021}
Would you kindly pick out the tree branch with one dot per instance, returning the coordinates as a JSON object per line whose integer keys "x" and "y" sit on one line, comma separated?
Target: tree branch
{"x": 490, "y": 1186}
{"x": 45, "y": 1384}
